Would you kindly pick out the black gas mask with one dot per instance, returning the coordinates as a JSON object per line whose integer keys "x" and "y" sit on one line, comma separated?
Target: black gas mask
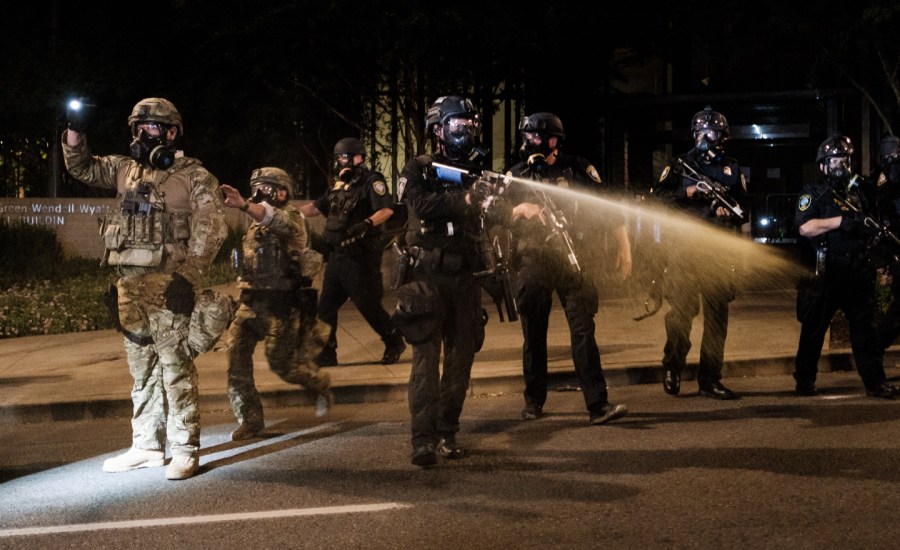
{"x": 836, "y": 170}
{"x": 343, "y": 167}
{"x": 708, "y": 145}
{"x": 534, "y": 143}
{"x": 152, "y": 151}
{"x": 263, "y": 191}
{"x": 460, "y": 137}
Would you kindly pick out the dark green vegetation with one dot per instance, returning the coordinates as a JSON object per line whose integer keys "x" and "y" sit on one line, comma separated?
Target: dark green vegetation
{"x": 46, "y": 293}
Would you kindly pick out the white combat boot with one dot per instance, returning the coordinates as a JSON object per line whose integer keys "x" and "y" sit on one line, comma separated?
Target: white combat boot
{"x": 182, "y": 467}
{"x": 134, "y": 459}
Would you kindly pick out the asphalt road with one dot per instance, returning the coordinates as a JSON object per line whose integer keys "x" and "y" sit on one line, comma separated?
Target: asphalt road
{"x": 770, "y": 470}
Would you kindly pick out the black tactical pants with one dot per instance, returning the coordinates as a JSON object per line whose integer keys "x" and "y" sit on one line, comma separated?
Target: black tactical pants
{"x": 357, "y": 277}
{"x": 850, "y": 288}
{"x": 535, "y": 283}
{"x": 435, "y": 397}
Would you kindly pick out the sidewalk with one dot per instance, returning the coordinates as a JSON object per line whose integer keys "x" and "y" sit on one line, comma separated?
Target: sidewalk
{"x": 84, "y": 375}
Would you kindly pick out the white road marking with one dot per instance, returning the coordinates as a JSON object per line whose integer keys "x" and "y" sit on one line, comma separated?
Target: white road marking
{"x": 218, "y": 518}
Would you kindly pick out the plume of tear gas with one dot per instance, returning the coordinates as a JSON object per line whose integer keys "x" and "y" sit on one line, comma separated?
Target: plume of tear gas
{"x": 663, "y": 237}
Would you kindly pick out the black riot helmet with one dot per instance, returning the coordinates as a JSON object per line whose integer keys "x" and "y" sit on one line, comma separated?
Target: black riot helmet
{"x": 833, "y": 157}
{"x": 709, "y": 129}
{"x": 543, "y": 123}
{"x": 349, "y": 146}
{"x": 536, "y": 132}
{"x": 344, "y": 151}
{"x": 461, "y": 125}
{"x": 888, "y": 148}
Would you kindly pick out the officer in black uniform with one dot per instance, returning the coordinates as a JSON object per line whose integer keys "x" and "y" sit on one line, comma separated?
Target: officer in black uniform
{"x": 843, "y": 268}
{"x": 713, "y": 287}
{"x": 440, "y": 308}
{"x": 887, "y": 185}
{"x": 357, "y": 204}
{"x": 545, "y": 264}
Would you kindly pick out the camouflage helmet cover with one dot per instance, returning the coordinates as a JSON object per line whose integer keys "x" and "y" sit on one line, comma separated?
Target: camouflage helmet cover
{"x": 156, "y": 109}
{"x": 273, "y": 175}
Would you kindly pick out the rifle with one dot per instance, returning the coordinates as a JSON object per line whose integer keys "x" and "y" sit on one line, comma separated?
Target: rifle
{"x": 495, "y": 279}
{"x": 710, "y": 187}
{"x": 881, "y": 230}
{"x": 559, "y": 228}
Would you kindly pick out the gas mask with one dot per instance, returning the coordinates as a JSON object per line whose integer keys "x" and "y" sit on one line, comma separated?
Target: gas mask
{"x": 537, "y": 163}
{"x": 263, "y": 191}
{"x": 460, "y": 136}
{"x": 836, "y": 169}
{"x": 343, "y": 168}
{"x": 151, "y": 151}
{"x": 708, "y": 145}
{"x": 534, "y": 143}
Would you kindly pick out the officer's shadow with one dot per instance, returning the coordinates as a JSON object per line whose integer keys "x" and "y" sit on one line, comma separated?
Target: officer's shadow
{"x": 277, "y": 436}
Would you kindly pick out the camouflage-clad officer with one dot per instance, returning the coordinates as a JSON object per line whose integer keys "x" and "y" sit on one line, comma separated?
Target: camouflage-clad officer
{"x": 162, "y": 236}
{"x": 276, "y": 271}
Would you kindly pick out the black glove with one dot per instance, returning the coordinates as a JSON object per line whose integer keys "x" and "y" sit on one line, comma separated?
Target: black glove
{"x": 179, "y": 295}
{"x": 360, "y": 229}
{"x": 479, "y": 193}
{"x": 81, "y": 116}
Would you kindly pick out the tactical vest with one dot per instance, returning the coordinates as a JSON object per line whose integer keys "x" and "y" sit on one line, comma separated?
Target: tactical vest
{"x": 342, "y": 199}
{"x": 136, "y": 232}
{"x": 265, "y": 263}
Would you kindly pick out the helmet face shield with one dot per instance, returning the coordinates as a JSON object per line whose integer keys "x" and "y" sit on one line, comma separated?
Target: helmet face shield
{"x": 837, "y": 167}
{"x": 460, "y": 135}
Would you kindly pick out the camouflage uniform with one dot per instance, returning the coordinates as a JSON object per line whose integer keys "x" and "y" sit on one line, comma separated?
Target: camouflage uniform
{"x": 179, "y": 232}
{"x": 275, "y": 258}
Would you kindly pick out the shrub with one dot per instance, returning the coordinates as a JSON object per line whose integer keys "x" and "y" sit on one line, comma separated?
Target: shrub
{"x": 47, "y": 293}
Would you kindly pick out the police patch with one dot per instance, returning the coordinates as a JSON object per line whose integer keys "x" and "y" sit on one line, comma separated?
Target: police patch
{"x": 882, "y": 179}
{"x": 803, "y": 202}
{"x": 401, "y": 186}
{"x": 592, "y": 173}
{"x": 727, "y": 170}
{"x": 379, "y": 187}
{"x": 665, "y": 173}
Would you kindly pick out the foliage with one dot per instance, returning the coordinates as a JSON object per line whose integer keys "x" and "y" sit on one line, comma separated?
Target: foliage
{"x": 45, "y": 293}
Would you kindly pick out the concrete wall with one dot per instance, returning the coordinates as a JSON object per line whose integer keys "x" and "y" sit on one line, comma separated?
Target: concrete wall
{"x": 77, "y": 221}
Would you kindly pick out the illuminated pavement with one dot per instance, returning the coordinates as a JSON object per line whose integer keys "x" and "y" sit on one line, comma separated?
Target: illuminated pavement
{"x": 84, "y": 375}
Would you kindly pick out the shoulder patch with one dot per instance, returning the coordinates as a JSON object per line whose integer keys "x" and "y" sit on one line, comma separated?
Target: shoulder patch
{"x": 804, "y": 201}
{"x": 401, "y": 186}
{"x": 592, "y": 173}
{"x": 743, "y": 182}
{"x": 882, "y": 179}
{"x": 665, "y": 173}
{"x": 726, "y": 170}
{"x": 379, "y": 187}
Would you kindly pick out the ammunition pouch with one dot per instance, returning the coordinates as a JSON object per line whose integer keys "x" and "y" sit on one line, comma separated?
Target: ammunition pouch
{"x": 212, "y": 314}
{"x": 418, "y": 314}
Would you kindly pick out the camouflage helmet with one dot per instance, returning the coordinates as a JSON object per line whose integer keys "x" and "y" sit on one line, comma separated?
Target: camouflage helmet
{"x": 837, "y": 145}
{"x": 273, "y": 175}
{"x": 543, "y": 123}
{"x": 156, "y": 109}
{"x": 349, "y": 146}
